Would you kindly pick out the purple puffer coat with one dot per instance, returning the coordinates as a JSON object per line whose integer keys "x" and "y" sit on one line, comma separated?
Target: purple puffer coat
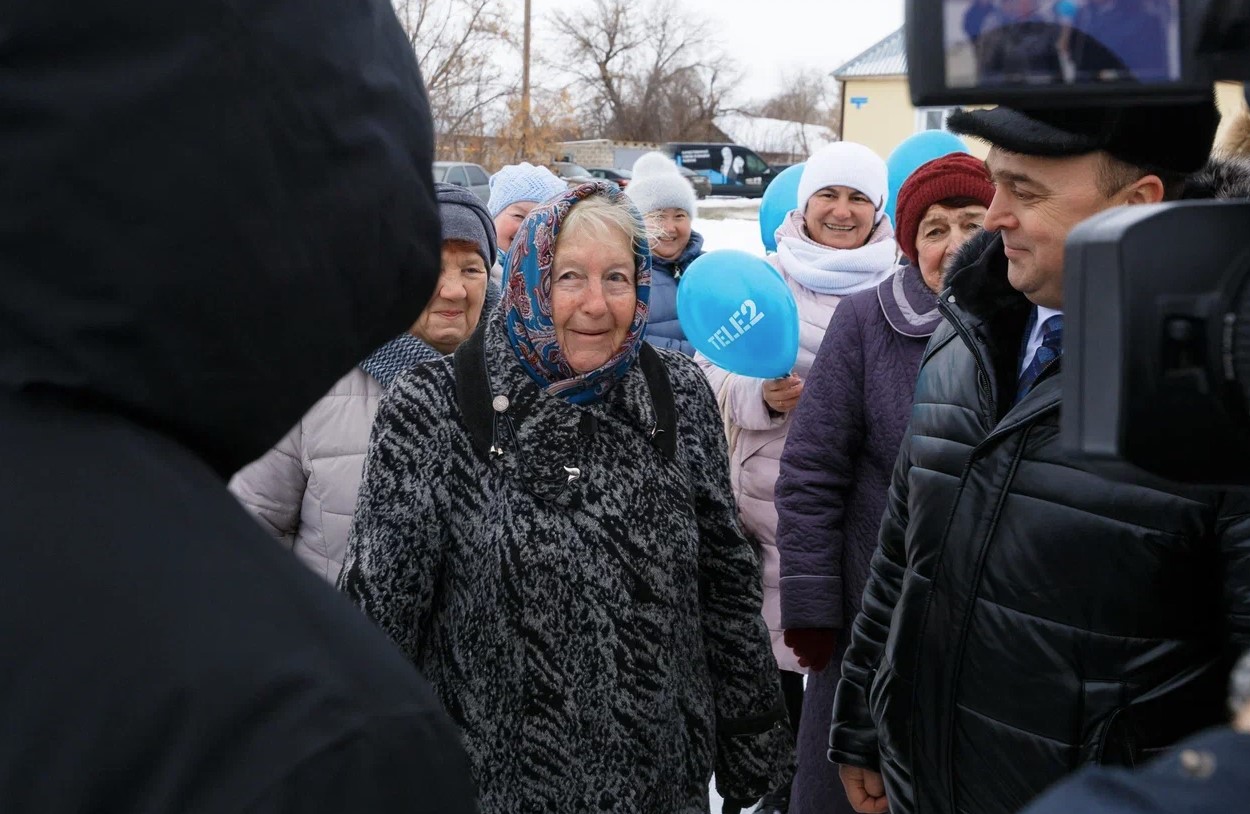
{"x": 835, "y": 473}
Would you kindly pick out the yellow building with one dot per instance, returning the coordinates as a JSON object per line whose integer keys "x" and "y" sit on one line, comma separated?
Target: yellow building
{"x": 876, "y": 103}
{"x": 877, "y": 109}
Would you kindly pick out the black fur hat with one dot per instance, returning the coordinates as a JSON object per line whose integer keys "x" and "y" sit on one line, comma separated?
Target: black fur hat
{"x": 1173, "y": 137}
{"x": 1223, "y": 178}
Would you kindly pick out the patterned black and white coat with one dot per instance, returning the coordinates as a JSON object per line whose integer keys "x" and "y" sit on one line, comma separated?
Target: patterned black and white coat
{"x": 573, "y": 582}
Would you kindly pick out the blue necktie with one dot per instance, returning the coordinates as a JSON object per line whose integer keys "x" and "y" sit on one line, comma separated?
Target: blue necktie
{"x": 1050, "y": 350}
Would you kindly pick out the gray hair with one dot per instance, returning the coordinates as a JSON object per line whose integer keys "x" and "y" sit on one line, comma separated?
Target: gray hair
{"x": 602, "y": 216}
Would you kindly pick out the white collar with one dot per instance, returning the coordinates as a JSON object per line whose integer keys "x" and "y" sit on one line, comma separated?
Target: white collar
{"x": 1043, "y": 314}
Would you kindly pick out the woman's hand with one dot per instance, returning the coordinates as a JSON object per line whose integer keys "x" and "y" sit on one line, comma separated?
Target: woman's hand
{"x": 781, "y": 395}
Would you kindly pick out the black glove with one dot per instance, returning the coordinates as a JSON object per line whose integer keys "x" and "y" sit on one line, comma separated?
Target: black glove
{"x": 734, "y": 805}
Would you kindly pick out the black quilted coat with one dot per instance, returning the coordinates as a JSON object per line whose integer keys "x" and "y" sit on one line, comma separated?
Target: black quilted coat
{"x": 1025, "y": 616}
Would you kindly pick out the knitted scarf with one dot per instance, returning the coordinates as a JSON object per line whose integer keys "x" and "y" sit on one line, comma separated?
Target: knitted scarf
{"x": 527, "y": 301}
{"x": 402, "y": 352}
{"x": 835, "y": 271}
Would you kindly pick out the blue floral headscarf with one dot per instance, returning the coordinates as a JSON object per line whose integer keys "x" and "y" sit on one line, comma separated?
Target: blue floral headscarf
{"x": 527, "y": 300}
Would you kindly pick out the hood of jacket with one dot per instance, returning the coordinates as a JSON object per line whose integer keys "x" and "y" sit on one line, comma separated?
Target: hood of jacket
{"x": 212, "y": 212}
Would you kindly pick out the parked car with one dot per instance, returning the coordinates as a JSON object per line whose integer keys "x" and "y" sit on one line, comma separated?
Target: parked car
{"x": 701, "y": 183}
{"x": 732, "y": 168}
{"x": 573, "y": 174}
{"x": 463, "y": 174}
{"x": 619, "y": 177}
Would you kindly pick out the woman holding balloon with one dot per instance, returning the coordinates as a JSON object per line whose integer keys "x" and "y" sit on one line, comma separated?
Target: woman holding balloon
{"x": 546, "y": 528}
{"x": 836, "y": 242}
{"x": 835, "y": 470}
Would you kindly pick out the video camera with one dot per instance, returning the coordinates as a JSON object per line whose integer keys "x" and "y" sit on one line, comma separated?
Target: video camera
{"x": 1156, "y": 371}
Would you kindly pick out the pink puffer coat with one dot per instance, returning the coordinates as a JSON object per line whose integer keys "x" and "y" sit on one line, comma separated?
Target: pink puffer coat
{"x": 755, "y": 459}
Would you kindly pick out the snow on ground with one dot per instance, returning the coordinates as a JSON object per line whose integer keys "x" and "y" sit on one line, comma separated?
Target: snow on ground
{"x": 716, "y": 801}
{"x": 720, "y": 202}
{"x": 729, "y": 223}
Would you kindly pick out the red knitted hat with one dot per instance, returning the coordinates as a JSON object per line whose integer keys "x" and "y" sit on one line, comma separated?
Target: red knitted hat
{"x": 957, "y": 175}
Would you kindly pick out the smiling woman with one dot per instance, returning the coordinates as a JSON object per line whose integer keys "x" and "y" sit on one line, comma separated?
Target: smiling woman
{"x": 836, "y": 242}
{"x": 546, "y": 528}
{"x": 303, "y": 491}
{"x": 593, "y": 283}
{"x": 458, "y": 298}
{"x": 831, "y": 490}
{"x": 667, "y": 201}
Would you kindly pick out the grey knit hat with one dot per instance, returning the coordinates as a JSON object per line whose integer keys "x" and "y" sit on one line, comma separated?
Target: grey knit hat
{"x": 464, "y": 217}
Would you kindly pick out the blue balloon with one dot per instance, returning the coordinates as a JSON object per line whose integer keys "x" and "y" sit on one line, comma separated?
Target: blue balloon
{"x": 781, "y": 196}
{"x": 737, "y": 310}
{"x": 913, "y": 151}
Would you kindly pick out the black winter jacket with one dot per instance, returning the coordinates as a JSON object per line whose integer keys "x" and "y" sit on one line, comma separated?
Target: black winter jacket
{"x": 1025, "y": 616}
{"x": 179, "y": 181}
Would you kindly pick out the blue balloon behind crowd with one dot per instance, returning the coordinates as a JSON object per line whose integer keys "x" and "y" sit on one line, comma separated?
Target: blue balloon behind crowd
{"x": 913, "y": 151}
{"x": 738, "y": 311}
{"x": 781, "y": 196}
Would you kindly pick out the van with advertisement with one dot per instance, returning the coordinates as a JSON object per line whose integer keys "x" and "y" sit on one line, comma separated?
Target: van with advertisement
{"x": 732, "y": 168}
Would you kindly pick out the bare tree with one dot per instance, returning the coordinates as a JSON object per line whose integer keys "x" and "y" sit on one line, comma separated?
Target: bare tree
{"x": 455, "y": 43}
{"x": 653, "y": 73}
{"x": 553, "y": 118}
{"x": 810, "y": 97}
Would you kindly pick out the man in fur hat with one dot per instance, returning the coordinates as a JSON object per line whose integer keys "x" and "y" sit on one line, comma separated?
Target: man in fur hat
{"x": 1024, "y": 615}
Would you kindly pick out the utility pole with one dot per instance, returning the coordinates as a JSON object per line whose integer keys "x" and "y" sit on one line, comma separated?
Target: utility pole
{"x": 525, "y": 87}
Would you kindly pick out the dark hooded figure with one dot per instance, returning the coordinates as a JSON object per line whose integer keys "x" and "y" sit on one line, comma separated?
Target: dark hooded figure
{"x": 200, "y": 199}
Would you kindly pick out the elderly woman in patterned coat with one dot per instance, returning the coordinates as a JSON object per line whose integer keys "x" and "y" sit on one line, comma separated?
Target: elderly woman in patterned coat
{"x": 546, "y": 528}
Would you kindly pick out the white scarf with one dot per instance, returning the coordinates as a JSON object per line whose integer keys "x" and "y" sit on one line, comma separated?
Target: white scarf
{"x": 827, "y": 270}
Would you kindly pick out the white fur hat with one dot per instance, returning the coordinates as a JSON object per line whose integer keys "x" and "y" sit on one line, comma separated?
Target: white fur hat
{"x": 658, "y": 185}
{"x": 846, "y": 164}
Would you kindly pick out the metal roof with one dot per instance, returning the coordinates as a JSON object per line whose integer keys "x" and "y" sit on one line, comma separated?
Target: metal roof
{"x": 886, "y": 58}
{"x": 774, "y": 135}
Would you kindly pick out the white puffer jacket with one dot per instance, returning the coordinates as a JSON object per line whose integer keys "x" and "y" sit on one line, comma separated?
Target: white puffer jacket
{"x": 303, "y": 491}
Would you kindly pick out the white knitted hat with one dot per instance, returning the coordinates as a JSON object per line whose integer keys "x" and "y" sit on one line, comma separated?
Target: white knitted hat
{"x": 658, "y": 185}
{"x": 845, "y": 164}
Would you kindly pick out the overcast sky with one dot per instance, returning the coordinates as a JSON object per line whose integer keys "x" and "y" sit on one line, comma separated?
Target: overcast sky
{"x": 768, "y": 37}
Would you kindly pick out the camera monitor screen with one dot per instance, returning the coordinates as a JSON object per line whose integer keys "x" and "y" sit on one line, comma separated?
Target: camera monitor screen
{"x": 1009, "y": 44}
